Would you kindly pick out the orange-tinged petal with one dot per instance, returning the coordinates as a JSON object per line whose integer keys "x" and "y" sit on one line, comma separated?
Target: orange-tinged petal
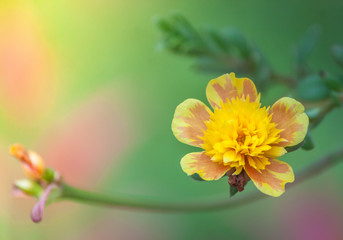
{"x": 200, "y": 163}
{"x": 228, "y": 86}
{"x": 32, "y": 164}
{"x": 189, "y": 122}
{"x": 273, "y": 178}
{"x": 289, "y": 115}
{"x": 36, "y": 167}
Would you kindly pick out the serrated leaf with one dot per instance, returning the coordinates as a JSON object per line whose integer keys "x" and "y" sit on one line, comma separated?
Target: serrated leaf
{"x": 213, "y": 50}
{"x": 214, "y": 43}
{"x": 220, "y": 42}
{"x": 236, "y": 38}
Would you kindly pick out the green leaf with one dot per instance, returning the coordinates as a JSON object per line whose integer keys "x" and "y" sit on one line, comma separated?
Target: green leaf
{"x": 219, "y": 42}
{"x": 309, "y": 144}
{"x": 163, "y": 24}
{"x": 215, "y": 43}
{"x": 313, "y": 113}
{"x": 312, "y": 88}
{"x": 332, "y": 82}
{"x": 213, "y": 50}
{"x": 235, "y": 38}
{"x": 335, "y": 96}
{"x": 306, "y": 46}
{"x": 211, "y": 64}
{"x": 337, "y": 54}
{"x": 179, "y": 36}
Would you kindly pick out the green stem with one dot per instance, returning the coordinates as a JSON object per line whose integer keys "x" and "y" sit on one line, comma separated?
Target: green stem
{"x": 323, "y": 112}
{"x": 325, "y": 109}
{"x": 135, "y": 202}
{"x": 286, "y": 80}
{"x": 75, "y": 194}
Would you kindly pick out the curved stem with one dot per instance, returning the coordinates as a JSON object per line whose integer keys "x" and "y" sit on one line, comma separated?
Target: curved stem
{"x": 323, "y": 112}
{"x": 135, "y": 202}
{"x": 325, "y": 107}
{"x": 75, "y": 194}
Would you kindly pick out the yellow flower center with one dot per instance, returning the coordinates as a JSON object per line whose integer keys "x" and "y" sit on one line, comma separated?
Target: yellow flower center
{"x": 241, "y": 132}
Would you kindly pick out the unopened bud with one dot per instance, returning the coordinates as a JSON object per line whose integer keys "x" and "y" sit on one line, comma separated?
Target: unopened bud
{"x": 28, "y": 187}
{"x": 32, "y": 163}
{"x": 49, "y": 175}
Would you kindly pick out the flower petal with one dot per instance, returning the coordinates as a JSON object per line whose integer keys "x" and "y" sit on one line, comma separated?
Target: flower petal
{"x": 275, "y": 151}
{"x": 38, "y": 208}
{"x": 289, "y": 115}
{"x": 200, "y": 163}
{"x": 189, "y": 122}
{"x": 228, "y": 86}
{"x": 271, "y": 180}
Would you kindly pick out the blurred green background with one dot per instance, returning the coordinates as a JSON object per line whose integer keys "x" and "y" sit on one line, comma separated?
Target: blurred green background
{"x": 83, "y": 84}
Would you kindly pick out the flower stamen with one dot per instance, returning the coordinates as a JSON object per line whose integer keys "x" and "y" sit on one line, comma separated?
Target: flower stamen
{"x": 239, "y": 132}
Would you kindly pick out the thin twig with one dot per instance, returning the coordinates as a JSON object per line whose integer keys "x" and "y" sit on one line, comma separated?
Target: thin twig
{"x": 286, "y": 80}
{"x": 135, "y": 202}
{"x": 325, "y": 108}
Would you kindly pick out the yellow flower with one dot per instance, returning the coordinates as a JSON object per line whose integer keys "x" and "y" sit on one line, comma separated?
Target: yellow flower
{"x": 32, "y": 164}
{"x": 239, "y": 135}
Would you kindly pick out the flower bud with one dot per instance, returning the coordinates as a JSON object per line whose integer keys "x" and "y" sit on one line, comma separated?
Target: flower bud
{"x": 28, "y": 187}
{"x": 32, "y": 163}
{"x": 49, "y": 175}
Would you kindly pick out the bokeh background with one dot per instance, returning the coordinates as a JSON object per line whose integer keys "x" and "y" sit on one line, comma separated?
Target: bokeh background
{"x": 83, "y": 84}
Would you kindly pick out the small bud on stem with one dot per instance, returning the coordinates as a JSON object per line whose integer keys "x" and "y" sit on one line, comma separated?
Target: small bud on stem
{"x": 33, "y": 165}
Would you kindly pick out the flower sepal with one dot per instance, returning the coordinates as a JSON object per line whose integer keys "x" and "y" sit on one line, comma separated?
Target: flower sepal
{"x": 196, "y": 177}
{"x": 308, "y": 142}
{"x": 50, "y": 175}
{"x": 237, "y": 182}
{"x": 296, "y": 147}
